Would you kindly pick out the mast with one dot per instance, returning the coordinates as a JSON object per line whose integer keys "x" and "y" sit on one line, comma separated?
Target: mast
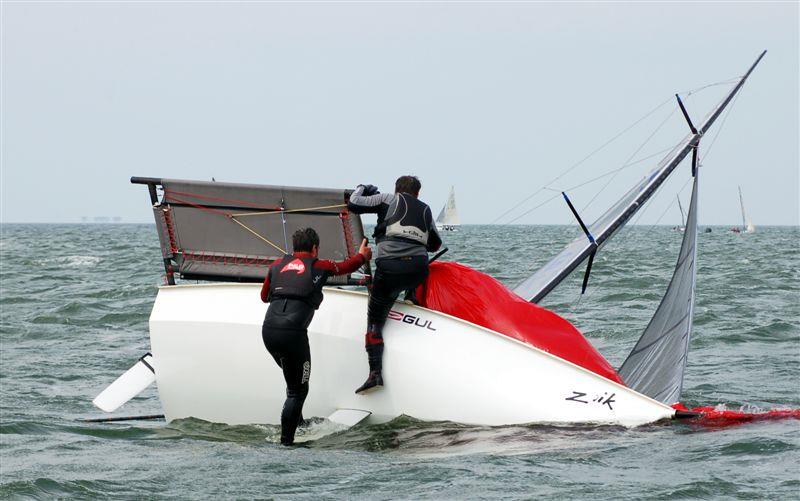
{"x": 683, "y": 217}
{"x": 741, "y": 202}
{"x": 538, "y": 285}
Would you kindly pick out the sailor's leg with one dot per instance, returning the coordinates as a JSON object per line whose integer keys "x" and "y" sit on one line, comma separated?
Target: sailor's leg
{"x": 382, "y": 297}
{"x": 271, "y": 343}
{"x": 296, "y": 371}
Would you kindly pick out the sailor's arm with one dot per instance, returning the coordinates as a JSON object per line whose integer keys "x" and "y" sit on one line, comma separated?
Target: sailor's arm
{"x": 434, "y": 240}
{"x": 349, "y": 265}
{"x": 366, "y": 199}
{"x": 265, "y": 286}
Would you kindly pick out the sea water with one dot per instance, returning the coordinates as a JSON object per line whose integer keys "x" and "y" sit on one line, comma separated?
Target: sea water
{"x": 75, "y": 302}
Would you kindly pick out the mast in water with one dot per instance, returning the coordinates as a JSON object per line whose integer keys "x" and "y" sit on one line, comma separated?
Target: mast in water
{"x": 538, "y": 285}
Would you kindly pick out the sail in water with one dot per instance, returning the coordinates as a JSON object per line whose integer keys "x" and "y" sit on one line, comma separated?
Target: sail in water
{"x": 747, "y": 225}
{"x": 656, "y": 365}
{"x": 538, "y": 285}
{"x": 448, "y": 217}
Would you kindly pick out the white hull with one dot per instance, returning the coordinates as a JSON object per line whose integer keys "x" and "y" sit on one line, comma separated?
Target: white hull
{"x": 212, "y": 365}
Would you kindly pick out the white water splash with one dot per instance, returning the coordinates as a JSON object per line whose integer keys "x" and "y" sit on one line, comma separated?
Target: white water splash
{"x": 71, "y": 261}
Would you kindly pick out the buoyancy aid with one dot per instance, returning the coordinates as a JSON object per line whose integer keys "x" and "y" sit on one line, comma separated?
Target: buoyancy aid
{"x": 405, "y": 221}
{"x": 295, "y": 278}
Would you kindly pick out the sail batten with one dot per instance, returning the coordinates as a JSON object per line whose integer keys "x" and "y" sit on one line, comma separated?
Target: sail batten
{"x": 538, "y": 285}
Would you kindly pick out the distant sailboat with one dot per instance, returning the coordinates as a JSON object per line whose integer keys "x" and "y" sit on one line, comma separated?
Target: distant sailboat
{"x": 682, "y": 227}
{"x": 747, "y": 225}
{"x": 448, "y": 217}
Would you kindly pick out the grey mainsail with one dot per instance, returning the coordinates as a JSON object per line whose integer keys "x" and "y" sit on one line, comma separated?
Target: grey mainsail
{"x": 538, "y": 285}
{"x": 655, "y": 366}
{"x": 228, "y": 231}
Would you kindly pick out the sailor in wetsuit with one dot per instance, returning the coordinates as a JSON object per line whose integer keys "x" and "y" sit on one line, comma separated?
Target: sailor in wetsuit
{"x": 293, "y": 289}
{"x": 404, "y": 235}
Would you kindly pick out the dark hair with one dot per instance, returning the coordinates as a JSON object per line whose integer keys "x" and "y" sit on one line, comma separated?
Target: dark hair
{"x": 305, "y": 239}
{"x": 407, "y": 184}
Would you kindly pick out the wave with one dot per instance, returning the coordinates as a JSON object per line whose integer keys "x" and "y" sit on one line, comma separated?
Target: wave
{"x": 77, "y": 261}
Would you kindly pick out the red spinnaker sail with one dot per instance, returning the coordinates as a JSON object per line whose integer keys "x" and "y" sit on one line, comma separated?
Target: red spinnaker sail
{"x": 473, "y": 296}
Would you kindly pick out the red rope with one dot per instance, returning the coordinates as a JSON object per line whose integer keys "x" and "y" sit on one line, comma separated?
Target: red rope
{"x": 201, "y": 207}
{"x": 231, "y": 201}
{"x": 348, "y": 233}
{"x": 173, "y": 247}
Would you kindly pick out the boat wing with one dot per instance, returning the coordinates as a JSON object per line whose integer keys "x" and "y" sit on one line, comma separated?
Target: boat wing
{"x": 656, "y": 365}
{"x": 233, "y": 232}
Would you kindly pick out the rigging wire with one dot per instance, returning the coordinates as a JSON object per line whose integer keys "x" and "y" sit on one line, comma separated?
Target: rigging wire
{"x": 721, "y": 126}
{"x": 629, "y": 158}
{"x": 581, "y": 161}
{"x": 703, "y": 87}
{"x": 671, "y": 204}
{"x": 687, "y": 93}
{"x": 625, "y": 166}
{"x": 558, "y": 194}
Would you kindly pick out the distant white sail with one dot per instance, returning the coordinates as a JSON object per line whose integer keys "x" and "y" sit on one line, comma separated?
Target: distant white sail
{"x": 747, "y": 225}
{"x": 448, "y": 216}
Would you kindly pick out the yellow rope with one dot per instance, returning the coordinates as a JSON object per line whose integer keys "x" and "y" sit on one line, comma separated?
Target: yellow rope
{"x": 233, "y": 218}
{"x": 244, "y": 214}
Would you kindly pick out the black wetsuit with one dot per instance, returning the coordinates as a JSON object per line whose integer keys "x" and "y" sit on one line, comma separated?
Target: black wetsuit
{"x": 289, "y": 347}
{"x": 405, "y": 233}
{"x": 293, "y": 287}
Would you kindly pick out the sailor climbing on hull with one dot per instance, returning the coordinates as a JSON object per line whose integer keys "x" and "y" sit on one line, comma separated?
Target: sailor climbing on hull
{"x": 293, "y": 289}
{"x": 404, "y": 235}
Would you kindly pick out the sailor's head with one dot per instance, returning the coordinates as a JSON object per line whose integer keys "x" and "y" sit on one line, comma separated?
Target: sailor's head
{"x": 306, "y": 240}
{"x": 408, "y": 184}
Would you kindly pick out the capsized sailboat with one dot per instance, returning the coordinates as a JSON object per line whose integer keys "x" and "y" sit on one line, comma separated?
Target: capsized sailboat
{"x": 448, "y": 219}
{"x": 509, "y": 360}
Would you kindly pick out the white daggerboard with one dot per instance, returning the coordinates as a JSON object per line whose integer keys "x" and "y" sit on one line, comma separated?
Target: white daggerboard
{"x": 348, "y": 417}
{"x": 128, "y": 385}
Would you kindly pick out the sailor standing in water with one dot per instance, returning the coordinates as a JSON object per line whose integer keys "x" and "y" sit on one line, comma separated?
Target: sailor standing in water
{"x": 293, "y": 289}
{"x": 404, "y": 235}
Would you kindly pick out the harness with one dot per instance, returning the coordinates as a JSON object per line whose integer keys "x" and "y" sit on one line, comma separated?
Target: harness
{"x": 404, "y": 222}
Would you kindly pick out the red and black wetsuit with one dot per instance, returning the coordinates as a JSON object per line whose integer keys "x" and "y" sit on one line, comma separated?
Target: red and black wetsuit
{"x": 293, "y": 289}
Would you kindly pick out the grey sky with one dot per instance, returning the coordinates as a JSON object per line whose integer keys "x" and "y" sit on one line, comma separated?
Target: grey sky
{"x": 496, "y": 99}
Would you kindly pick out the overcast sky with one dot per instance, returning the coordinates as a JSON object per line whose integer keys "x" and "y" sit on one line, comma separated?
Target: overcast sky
{"x": 494, "y": 98}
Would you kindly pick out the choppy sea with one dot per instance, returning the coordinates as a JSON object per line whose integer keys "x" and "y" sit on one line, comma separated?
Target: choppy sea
{"x": 75, "y": 302}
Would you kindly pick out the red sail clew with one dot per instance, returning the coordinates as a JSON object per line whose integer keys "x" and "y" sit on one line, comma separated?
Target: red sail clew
{"x": 473, "y": 296}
